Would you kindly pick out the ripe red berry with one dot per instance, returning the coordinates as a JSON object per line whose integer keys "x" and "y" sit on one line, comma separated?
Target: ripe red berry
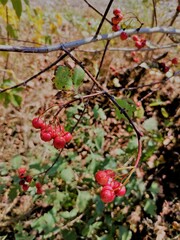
{"x": 45, "y": 136}
{"x": 59, "y": 142}
{"x": 110, "y": 173}
{"x": 121, "y": 191}
{"x": 28, "y": 178}
{"x": 67, "y": 136}
{"x": 143, "y": 42}
{"x": 123, "y": 35}
{"x": 107, "y": 195}
{"x": 39, "y": 191}
{"x": 25, "y": 187}
{"x": 22, "y": 182}
{"x": 174, "y": 61}
{"x": 115, "y": 28}
{"x": 166, "y": 69}
{"x": 138, "y": 44}
{"x": 102, "y": 177}
{"x": 38, "y": 123}
{"x": 21, "y": 172}
{"x": 135, "y": 38}
{"x": 116, "y": 11}
{"x": 115, "y": 185}
{"x": 38, "y": 185}
{"x": 178, "y": 8}
{"x": 115, "y": 20}
{"x": 135, "y": 59}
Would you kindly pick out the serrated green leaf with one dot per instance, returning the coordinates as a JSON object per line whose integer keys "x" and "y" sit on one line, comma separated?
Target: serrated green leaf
{"x": 67, "y": 174}
{"x": 17, "y": 5}
{"x": 3, "y": 2}
{"x": 151, "y": 124}
{"x": 78, "y": 76}
{"x": 164, "y": 112}
{"x": 82, "y": 200}
{"x": 63, "y": 78}
{"x": 69, "y": 214}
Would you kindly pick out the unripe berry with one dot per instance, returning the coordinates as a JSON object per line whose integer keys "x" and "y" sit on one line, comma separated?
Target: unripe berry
{"x": 115, "y": 28}
{"x": 174, "y": 61}
{"x": 123, "y": 35}
{"x": 101, "y": 177}
{"x": 121, "y": 191}
{"x": 107, "y": 195}
{"x": 59, "y": 142}
{"x": 116, "y": 11}
{"x": 21, "y": 172}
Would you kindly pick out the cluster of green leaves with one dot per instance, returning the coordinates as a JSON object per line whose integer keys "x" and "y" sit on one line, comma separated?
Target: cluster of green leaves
{"x": 17, "y": 5}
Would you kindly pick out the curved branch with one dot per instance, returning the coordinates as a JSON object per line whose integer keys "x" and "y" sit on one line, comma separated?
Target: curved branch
{"x": 77, "y": 43}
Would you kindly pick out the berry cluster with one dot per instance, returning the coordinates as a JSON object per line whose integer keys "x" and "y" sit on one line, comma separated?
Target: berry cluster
{"x": 139, "y": 42}
{"x": 58, "y": 134}
{"x": 116, "y": 19}
{"x": 111, "y": 188}
{"x": 25, "y": 181}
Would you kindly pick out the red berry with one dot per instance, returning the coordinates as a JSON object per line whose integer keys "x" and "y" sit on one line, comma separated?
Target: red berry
{"x": 123, "y": 36}
{"x": 107, "y": 195}
{"x": 121, "y": 191}
{"x": 21, "y": 172}
{"x": 166, "y": 69}
{"x": 38, "y": 123}
{"x": 135, "y": 38}
{"x": 25, "y": 187}
{"x": 59, "y": 142}
{"x": 115, "y": 28}
{"x": 115, "y": 185}
{"x": 110, "y": 173}
{"x": 67, "y": 136}
{"x": 116, "y": 11}
{"x": 28, "y": 178}
{"x": 178, "y": 8}
{"x": 138, "y": 44}
{"x": 39, "y": 191}
{"x": 102, "y": 177}
{"x": 115, "y": 20}
{"x": 174, "y": 61}
{"x": 45, "y": 136}
{"x": 143, "y": 42}
{"x": 38, "y": 185}
{"x": 21, "y": 182}
{"x": 135, "y": 59}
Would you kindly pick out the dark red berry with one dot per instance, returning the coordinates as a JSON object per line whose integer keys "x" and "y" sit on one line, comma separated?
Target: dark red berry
{"x": 138, "y": 44}
{"x": 25, "y": 187}
{"x": 115, "y": 28}
{"x": 123, "y": 35}
{"x": 116, "y": 11}
{"x": 45, "y": 136}
{"x": 28, "y": 178}
{"x": 110, "y": 173}
{"x": 178, "y": 8}
{"x": 67, "y": 136}
{"x": 174, "y": 61}
{"x": 59, "y": 142}
{"x": 107, "y": 195}
{"x": 39, "y": 191}
{"x": 38, "y": 185}
{"x": 102, "y": 177}
{"x": 115, "y": 20}
{"x": 22, "y": 182}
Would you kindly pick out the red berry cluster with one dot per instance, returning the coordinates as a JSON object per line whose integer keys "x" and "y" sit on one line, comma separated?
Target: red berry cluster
{"x": 163, "y": 67}
{"x": 25, "y": 181}
{"x": 139, "y": 42}
{"x": 116, "y": 19}
{"x": 58, "y": 134}
{"x": 111, "y": 188}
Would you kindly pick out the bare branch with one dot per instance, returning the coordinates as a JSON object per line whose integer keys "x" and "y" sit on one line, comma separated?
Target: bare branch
{"x": 77, "y": 43}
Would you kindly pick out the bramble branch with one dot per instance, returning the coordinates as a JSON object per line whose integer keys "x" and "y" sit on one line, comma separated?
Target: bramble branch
{"x": 92, "y": 39}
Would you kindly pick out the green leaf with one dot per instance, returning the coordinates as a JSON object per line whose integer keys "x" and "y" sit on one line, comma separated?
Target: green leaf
{"x": 78, "y": 76}
{"x": 16, "y": 162}
{"x": 17, "y": 5}
{"x": 154, "y": 188}
{"x": 67, "y": 175}
{"x": 69, "y": 234}
{"x": 150, "y": 207}
{"x": 3, "y": 2}
{"x": 26, "y": 2}
{"x": 13, "y": 193}
{"x": 82, "y": 200}
{"x": 11, "y": 31}
{"x": 63, "y": 78}
{"x": 164, "y": 112}
{"x": 16, "y": 100}
{"x": 99, "y": 140}
{"x": 128, "y": 105}
{"x": 151, "y": 124}
{"x": 69, "y": 214}
{"x": 125, "y": 234}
